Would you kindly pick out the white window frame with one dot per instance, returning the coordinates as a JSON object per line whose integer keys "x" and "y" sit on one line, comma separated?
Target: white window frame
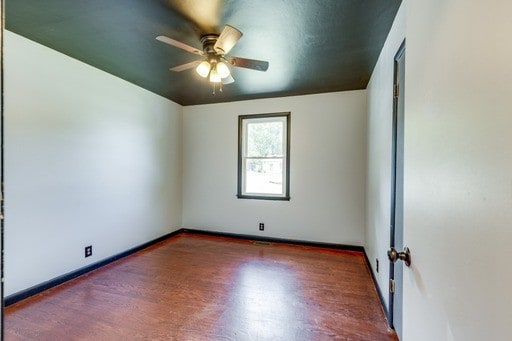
{"x": 243, "y": 122}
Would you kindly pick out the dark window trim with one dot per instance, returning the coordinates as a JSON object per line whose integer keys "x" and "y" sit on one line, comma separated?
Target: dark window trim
{"x": 241, "y": 119}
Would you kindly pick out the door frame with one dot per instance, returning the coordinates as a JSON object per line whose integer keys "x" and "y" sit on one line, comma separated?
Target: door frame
{"x": 2, "y": 131}
{"x": 396, "y": 154}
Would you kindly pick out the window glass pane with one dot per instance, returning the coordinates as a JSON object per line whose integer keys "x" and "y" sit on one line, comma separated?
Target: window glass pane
{"x": 265, "y": 139}
{"x": 264, "y": 176}
{"x": 263, "y": 160}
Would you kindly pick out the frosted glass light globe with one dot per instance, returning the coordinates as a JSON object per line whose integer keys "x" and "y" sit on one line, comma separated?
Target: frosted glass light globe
{"x": 223, "y": 70}
{"x": 203, "y": 69}
{"x": 214, "y": 76}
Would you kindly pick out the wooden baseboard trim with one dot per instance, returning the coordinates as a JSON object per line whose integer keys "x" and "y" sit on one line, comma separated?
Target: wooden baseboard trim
{"x": 36, "y": 289}
{"x": 276, "y": 240}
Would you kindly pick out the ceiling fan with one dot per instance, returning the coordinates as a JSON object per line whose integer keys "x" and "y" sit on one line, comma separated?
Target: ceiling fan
{"x": 214, "y": 65}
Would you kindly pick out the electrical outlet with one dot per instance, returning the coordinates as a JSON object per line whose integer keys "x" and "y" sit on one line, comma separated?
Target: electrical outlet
{"x": 88, "y": 251}
{"x": 262, "y": 227}
{"x": 377, "y": 264}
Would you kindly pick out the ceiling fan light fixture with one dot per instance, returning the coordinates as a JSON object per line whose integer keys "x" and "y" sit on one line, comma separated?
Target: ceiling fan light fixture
{"x": 203, "y": 69}
{"x": 215, "y": 66}
{"x": 223, "y": 70}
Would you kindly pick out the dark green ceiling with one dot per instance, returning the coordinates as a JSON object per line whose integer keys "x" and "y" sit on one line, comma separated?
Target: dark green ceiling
{"x": 312, "y": 46}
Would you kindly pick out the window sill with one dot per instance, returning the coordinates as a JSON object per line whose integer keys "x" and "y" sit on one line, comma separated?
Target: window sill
{"x": 262, "y": 197}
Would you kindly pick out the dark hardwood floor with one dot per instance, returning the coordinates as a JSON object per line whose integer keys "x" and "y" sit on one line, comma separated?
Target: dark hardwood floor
{"x": 195, "y": 287}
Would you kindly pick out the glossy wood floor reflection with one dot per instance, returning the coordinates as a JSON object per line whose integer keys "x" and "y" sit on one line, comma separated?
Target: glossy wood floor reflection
{"x": 195, "y": 287}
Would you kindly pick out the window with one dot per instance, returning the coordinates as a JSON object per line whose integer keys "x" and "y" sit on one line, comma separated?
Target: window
{"x": 264, "y": 156}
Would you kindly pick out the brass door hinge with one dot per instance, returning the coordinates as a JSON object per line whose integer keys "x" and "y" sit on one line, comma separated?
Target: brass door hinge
{"x": 391, "y": 285}
{"x": 395, "y": 90}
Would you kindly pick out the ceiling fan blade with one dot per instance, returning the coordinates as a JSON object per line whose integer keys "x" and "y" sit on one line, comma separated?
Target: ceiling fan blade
{"x": 179, "y": 45}
{"x": 186, "y": 66}
{"x": 253, "y": 64}
{"x": 227, "y": 39}
{"x": 228, "y": 80}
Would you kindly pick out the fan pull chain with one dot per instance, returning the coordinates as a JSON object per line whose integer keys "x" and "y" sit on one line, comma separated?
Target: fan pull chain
{"x": 220, "y": 88}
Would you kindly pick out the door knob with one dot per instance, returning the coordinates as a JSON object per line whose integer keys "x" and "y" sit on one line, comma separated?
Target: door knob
{"x": 405, "y": 255}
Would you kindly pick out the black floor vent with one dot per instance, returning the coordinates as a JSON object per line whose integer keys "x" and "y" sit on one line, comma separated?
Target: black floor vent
{"x": 259, "y": 242}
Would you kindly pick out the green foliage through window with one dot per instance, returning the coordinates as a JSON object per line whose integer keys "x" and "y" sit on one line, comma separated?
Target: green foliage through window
{"x": 265, "y": 139}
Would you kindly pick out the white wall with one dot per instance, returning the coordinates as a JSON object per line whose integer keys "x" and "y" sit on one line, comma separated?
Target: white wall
{"x": 327, "y": 173}
{"x": 458, "y": 170}
{"x": 89, "y": 160}
{"x": 379, "y": 152}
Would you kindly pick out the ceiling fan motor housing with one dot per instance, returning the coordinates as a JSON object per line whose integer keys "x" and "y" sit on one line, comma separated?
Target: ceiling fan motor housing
{"x": 208, "y": 41}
